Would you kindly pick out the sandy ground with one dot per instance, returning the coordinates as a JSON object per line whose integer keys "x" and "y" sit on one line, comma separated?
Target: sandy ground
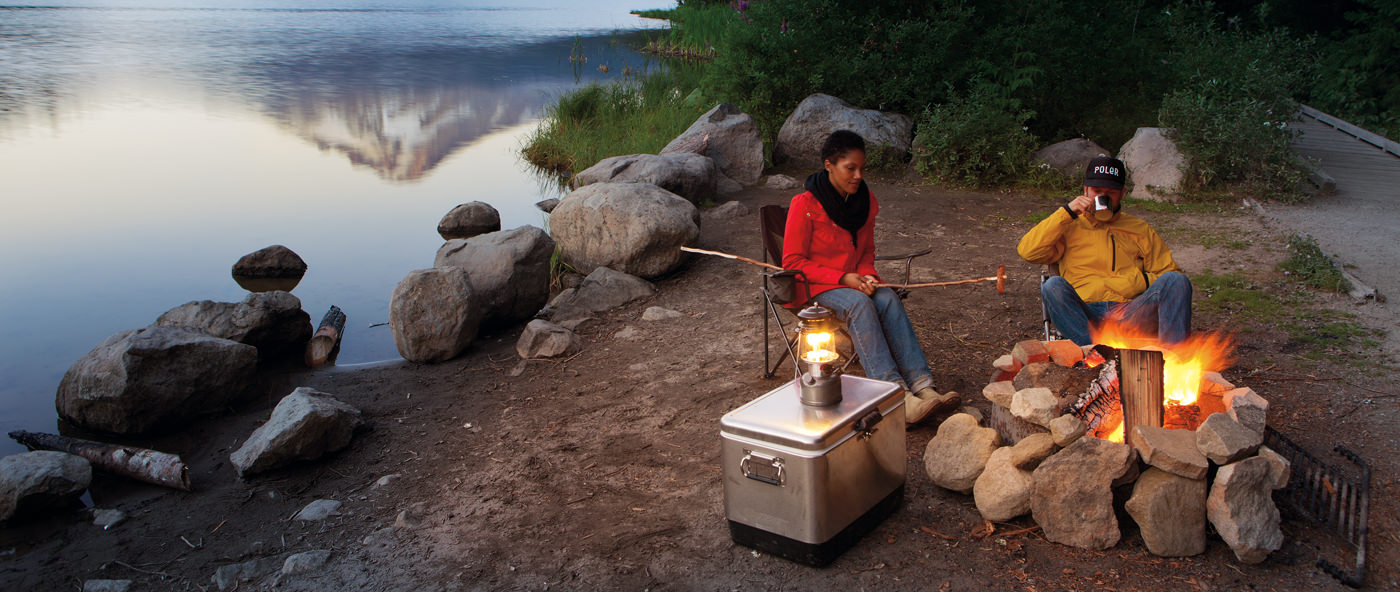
{"x": 602, "y": 471}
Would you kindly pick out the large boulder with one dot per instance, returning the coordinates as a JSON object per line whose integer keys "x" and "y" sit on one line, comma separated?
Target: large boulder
{"x": 1070, "y": 157}
{"x": 958, "y": 453}
{"x": 635, "y": 228}
{"x": 35, "y": 481}
{"x": 1154, "y": 164}
{"x": 434, "y": 314}
{"x": 1170, "y": 511}
{"x": 305, "y": 425}
{"x": 686, "y": 174}
{"x": 604, "y": 289}
{"x": 728, "y": 136}
{"x": 144, "y": 379}
{"x": 801, "y": 137}
{"x": 468, "y": 220}
{"x": 509, "y": 271}
{"x": 1241, "y": 507}
{"x": 275, "y": 261}
{"x": 270, "y": 321}
{"x": 1072, "y": 493}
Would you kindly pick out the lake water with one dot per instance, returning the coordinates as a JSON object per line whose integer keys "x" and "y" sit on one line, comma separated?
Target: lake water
{"x": 146, "y": 145}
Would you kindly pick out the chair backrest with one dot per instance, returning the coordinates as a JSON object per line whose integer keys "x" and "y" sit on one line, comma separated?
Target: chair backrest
{"x": 773, "y": 223}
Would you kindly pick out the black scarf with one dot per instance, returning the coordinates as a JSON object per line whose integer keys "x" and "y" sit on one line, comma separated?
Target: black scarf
{"x": 848, "y": 212}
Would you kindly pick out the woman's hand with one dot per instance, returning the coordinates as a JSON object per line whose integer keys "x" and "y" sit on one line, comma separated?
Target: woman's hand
{"x": 864, "y": 283}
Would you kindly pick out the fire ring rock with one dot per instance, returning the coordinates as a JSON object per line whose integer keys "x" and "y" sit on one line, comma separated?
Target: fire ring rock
{"x": 956, "y": 456}
{"x": 1072, "y": 494}
{"x": 305, "y": 425}
{"x": 144, "y": 379}
{"x": 1003, "y": 490}
{"x": 1170, "y": 511}
{"x": 1224, "y": 440}
{"x": 1241, "y": 507}
{"x": 35, "y": 481}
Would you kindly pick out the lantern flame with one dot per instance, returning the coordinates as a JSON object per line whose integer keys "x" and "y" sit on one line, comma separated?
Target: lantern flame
{"x": 1185, "y": 364}
{"x": 818, "y": 352}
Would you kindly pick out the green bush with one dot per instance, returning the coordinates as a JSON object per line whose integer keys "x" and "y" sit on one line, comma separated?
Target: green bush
{"x": 1232, "y": 110}
{"x": 1360, "y": 77}
{"x": 1309, "y": 265}
{"x": 980, "y": 140}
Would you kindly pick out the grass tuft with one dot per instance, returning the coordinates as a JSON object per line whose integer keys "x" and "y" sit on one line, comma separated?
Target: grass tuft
{"x": 1308, "y": 264}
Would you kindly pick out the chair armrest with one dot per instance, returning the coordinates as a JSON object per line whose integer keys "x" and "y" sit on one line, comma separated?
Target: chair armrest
{"x": 903, "y": 255}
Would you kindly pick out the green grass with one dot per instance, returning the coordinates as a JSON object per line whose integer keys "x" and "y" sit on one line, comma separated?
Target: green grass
{"x": 1325, "y": 330}
{"x": 696, "y": 30}
{"x": 1319, "y": 331}
{"x": 1206, "y": 204}
{"x": 1311, "y": 266}
{"x": 597, "y": 121}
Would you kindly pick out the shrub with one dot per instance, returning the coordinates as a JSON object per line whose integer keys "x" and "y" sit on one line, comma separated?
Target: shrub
{"x": 979, "y": 140}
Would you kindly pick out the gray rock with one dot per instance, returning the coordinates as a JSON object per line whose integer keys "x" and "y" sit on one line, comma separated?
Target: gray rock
{"x": 1002, "y": 491}
{"x": 728, "y": 136}
{"x": 468, "y": 220}
{"x": 412, "y": 516}
{"x": 1072, "y": 495}
{"x": 1070, "y": 157}
{"x": 543, "y": 339}
{"x": 305, "y": 562}
{"x": 37, "y": 481}
{"x": 1036, "y": 405}
{"x": 691, "y": 176}
{"x": 801, "y": 137}
{"x": 273, "y": 321}
{"x": 1067, "y": 428}
{"x": 729, "y": 210}
{"x": 318, "y": 510}
{"x": 305, "y": 425}
{"x": 107, "y": 518}
{"x": 1241, "y": 507}
{"x": 433, "y": 314}
{"x": 106, "y": 585}
{"x": 509, "y": 271}
{"x": 1279, "y": 468}
{"x": 1170, "y": 511}
{"x": 275, "y": 261}
{"x": 143, "y": 379}
{"x": 230, "y": 576}
{"x": 782, "y": 182}
{"x": 1247, "y": 408}
{"x": 957, "y": 454}
{"x": 726, "y": 186}
{"x": 1224, "y": 440}
{"x": 603, "y": 289}
{"x": 1000, "y": 393}
{"x": 547, "y": 205}
{"x": 657, "y": 313}
{"x": 1154, "y": 164}
{"x": 1173, "y": 451}
{"x": 386, "y": 480}
{"x": 635, "y": 228}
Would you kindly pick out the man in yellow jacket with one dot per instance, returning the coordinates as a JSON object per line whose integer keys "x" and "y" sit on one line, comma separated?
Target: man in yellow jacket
{"x": 1111, "y": 263}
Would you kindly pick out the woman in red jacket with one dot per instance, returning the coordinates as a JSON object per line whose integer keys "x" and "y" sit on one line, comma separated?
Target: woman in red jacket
{"x": 830, "y": 238}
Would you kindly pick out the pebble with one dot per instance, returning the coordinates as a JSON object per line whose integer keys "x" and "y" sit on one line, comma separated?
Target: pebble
{"x": 318, "y": 510}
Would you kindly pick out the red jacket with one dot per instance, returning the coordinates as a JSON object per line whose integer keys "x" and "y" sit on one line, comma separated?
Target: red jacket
{"x": 821, "y": 250}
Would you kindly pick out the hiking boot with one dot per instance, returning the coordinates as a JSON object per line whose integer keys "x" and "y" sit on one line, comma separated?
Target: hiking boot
{"x": 923, "y": 404}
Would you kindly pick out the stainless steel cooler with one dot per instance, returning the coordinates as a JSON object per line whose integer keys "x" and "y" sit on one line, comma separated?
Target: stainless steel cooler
{"x": 805, "y": 483}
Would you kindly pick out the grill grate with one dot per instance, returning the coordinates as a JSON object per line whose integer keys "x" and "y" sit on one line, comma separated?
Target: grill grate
{"x": 1335, "y": 499}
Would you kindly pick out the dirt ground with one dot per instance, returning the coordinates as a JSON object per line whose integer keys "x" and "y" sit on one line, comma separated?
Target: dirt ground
{"x": 601, "y": 471}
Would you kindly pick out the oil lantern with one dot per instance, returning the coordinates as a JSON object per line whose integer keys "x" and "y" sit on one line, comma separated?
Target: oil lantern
{"x": 819, "y": 374}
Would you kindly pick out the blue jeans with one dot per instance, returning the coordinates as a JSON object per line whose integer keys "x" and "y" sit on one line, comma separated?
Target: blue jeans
{"x": 1165, "y": 308}
{"x": 883, "y": 337}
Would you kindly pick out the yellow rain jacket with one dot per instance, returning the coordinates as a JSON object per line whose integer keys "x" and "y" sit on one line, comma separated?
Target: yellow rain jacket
{"x": 1112, "y": 261}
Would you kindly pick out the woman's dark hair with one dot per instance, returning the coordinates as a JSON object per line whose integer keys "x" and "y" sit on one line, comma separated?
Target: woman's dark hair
{"x": 839, "y": 143}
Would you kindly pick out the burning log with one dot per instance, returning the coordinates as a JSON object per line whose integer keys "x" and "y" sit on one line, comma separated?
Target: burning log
{"x": 150, "y": 466}
{"x": 1140, "y": 384}
{"x": 327, "y": 337}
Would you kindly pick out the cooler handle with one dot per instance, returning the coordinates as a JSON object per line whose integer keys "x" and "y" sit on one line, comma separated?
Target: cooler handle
{"x": 759, "y": 467}
{"x": 865, "y": 426}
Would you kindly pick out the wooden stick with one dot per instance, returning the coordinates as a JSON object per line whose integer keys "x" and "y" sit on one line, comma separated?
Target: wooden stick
{"x": 151, "y": 466}
{"x": 728, "y": 256}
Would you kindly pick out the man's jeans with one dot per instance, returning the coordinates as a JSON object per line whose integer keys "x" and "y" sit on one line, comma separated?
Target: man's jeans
{"x": 882, "y": 334}
{"x": 1164, "y": 309}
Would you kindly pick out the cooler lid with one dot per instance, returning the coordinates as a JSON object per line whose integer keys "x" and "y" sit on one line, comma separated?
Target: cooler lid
{"x": 780, "y": 418}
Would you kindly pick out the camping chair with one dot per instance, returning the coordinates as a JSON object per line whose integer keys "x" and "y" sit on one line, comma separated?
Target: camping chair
{"x": 780, "y": 287}
{"x": 1051, "y": 333}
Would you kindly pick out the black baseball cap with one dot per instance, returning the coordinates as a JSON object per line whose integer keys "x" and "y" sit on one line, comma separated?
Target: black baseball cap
{"x": 1107, "y": 172}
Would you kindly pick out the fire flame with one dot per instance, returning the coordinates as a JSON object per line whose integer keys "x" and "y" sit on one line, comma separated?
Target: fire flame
{"x": 1184, "y": 364}
{"x": 818, "y": 352}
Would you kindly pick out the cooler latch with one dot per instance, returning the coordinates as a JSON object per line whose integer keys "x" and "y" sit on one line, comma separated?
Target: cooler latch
{"x": 760, "y": 467}
{"x": 865, "y": 425}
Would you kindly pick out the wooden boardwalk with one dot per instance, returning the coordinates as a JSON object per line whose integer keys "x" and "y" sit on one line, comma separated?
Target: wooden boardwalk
{"x": 1359, "y": 223}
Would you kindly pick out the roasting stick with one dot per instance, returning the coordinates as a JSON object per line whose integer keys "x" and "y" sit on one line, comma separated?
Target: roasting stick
{"x": 999, "y": 278}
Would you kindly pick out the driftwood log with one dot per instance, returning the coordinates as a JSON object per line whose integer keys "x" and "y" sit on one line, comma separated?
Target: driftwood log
{"x": 327, "y": 337}
{"x": 141, "y": 464}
